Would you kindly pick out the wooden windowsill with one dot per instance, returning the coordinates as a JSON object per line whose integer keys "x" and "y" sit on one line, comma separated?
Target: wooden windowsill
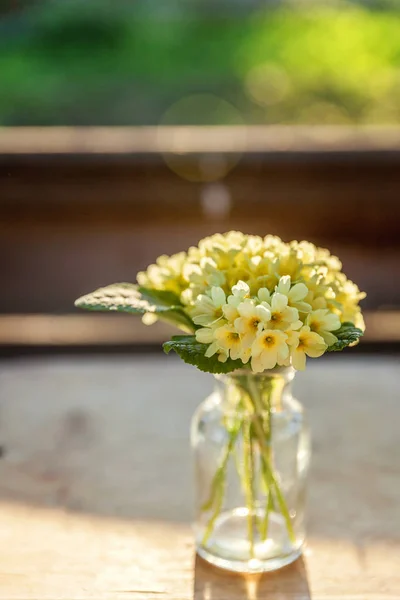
{"x": 272, "y": 139}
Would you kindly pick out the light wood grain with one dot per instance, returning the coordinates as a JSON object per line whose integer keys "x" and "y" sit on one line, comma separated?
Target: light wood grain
{"x": 95, "y": 484}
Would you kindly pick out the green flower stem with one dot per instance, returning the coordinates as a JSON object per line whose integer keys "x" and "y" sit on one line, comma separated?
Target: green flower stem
{"x": 239, "y": 469}
{"x": 256, "y": 404}
{"x": 269, "y": 502}
{"x": 269, "y": 506}
{"x": 269, "y": 498}
{"x": 218, "y": 484}
{"x": 283, "y": 507}
{"x": 256, "y": 480}
{"x": 249, "y": 477}
{"x": 218, "y": 500}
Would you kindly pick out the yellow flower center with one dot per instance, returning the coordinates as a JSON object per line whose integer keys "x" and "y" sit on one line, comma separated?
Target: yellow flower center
{"x": 276, "y": 317}
{"x": 315, "y": 325}
{"x": 269, "y": 341}
{"x": 233, "y": 337}
{"x": 254, "y": 323}
{"x": 302, "y": 342}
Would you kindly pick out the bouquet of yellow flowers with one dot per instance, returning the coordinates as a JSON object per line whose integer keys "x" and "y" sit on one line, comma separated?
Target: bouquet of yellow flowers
{"x": 244, "y": 302}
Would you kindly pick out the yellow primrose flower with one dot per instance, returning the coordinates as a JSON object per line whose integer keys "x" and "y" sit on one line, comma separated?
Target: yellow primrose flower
{"x": 288, "y": 263}
{"x": 305, "y": 251}
{"x": 222, "y": 356}
{"x": 346, "y": 296}
{"x": 273, "y": 243}
{"x": 149, "y": 318}
{"x": 318, "y": 288}
{"x": 208, "y": 307}
{"x": 349, "y": 292}
{"x": 254, "y": 245}
{"x": 323, "y": 321}
{"x": 304, "y": 342}
{"x": 166, "y": 274}
{"x": 264, "y": 295}
{"x": 358, "y": 319}
{"x": 269, "y": 349}
{"x": 240, "y": 291}
{"x": 282, "y": 315}
{"x": 350, "y": 313}
{"x": 228, "y": 340}
{"x": 223, "y": 249}
{"x": 251, "y": 320}
{"x": 295, "y": 293}
{"x": 206, "y": 335}
{"x": 325, "y": 257}
{"x": 203, "y": 275}
{"x": 262, "y": 270}
{"x": 245, "y": 355}
{"x": 319, "y": 302}
{"x": 236, "y": 274}
{"x": 227, "y": 242}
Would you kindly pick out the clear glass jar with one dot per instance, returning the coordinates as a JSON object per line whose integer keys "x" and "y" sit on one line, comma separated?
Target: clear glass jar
{"x": 251, "y": 450}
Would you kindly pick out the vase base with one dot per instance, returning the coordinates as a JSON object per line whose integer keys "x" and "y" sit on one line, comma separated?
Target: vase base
{"x": 229, "y": 547}
{"x": 253, "y": 565}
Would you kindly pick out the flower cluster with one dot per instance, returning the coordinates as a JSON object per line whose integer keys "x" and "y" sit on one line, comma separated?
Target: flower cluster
{"x": 258, "y": 300}
{"x": 270, "y": 329}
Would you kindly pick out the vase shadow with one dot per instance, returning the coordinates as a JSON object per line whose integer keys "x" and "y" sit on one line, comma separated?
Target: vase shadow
{"x": 212, "y": 583}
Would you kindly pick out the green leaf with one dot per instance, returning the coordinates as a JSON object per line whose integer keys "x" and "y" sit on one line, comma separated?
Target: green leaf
{"x": 127, "y": 297}
{"x": 192, "y": 352}
{"x": 133, "y": 299}
{"x": 160, "y": 296}
{"x": 347, "y": 334}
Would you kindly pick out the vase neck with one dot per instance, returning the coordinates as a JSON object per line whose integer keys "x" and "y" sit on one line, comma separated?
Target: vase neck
{"x": 270, "y": 388}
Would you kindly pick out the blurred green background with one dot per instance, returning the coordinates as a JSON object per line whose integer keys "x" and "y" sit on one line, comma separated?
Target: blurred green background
{"x": 96, "y": 62}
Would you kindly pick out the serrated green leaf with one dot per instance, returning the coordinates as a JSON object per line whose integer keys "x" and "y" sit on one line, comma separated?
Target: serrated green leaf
{"x": 127, "y": 297}
{"x": 347, "y": 334}
{"x": 133, "y": 299}
{"x": 192, "y": 352}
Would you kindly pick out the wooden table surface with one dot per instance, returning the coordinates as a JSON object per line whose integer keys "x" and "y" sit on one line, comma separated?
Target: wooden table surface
{"x": 95, "y": 483}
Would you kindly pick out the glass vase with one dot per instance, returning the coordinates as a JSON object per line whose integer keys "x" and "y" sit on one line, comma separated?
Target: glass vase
{"x": 251, "y": 450}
